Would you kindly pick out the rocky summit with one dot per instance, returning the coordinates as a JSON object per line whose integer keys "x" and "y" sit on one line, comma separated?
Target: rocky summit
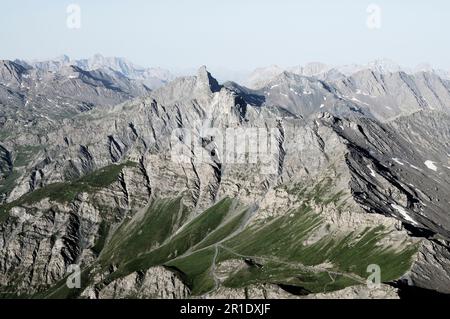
{"x": 311, "y": 182}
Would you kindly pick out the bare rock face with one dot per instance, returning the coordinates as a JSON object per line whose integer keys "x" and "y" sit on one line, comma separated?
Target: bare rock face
{"x": 276, "y": 292}
{"x": 155, "y": 283}
{"x": 149, "y": 200}
{"x": 432, "y": 267}
{"x": 153, "y": 78}
{"x": 381, "y": 89}
{"x": 36, "y": 100}
{"x": 40, "y": 243}
{"x": 360, "y": 292}
{"x": 263, "y": 291}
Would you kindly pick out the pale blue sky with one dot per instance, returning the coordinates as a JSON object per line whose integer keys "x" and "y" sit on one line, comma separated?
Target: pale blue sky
{"x": 233, "y": 34}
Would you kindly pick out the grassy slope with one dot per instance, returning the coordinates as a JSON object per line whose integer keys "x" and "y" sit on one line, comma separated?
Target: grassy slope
{"x": 166, "y": 234}
{"x": 67, "y": 191}
{"x": 277, "y": 244}
{"x": 158, "y": 237}
{"x": 348, "y": 253}
{"x": 178, "y": 241}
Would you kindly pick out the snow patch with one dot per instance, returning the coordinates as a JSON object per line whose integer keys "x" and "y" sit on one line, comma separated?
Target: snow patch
{"x": 372, "y": 172}
{"x": 404, "y": 213}
{"x": 431, "y": 165}
{"x": 395, "y": 159}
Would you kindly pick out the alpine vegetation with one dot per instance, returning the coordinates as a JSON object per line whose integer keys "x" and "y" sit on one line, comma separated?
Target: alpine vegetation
{"x": 118, "y": 181}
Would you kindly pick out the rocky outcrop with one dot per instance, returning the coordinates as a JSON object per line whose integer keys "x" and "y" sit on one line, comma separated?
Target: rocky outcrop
{"x": 37, "y": 245}
{"x": 153, "y": 78}
{"x": 380, "y": 89}
{"x": 431, "y": 270}
{"x": 349, "y": 177}
{"x": 276, "y": 292}
{"x": 155, "y": 283}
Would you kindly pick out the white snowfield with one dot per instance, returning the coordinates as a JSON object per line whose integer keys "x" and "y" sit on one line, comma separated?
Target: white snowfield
{"x": 395, "y": 159}
{"x": 430, "y": 165}
{"x": 404, "y": 213}
{"x": 372, "y": 172}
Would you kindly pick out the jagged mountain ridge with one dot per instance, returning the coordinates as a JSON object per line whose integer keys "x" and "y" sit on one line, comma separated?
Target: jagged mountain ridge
{"x": 383, "y": 96}
{"x": 33, "y": 100}
{"x": 151, "y": 77}
{"x": 330, "y": 173}
{"x": 322, "y": 71}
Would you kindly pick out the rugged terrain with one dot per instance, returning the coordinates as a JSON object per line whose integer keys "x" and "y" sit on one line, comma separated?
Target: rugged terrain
{"x": 381, "y": 89}
{"x": 141, "y": 190}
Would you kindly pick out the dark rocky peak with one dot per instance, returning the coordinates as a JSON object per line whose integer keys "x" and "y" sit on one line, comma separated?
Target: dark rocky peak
{"x": 250, "y": 96}
{"x": 205, "y": 79}
{"x": 23, "y": 63}
{"x": 11, "y": 72}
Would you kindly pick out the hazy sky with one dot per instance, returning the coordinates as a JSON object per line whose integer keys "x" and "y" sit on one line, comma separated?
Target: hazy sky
{"x": 233, "y": 34}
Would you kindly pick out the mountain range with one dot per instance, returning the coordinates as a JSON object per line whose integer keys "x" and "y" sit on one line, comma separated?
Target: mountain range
{"x": 151, "y": 77}
{"x": 380, "y": 89}
{"x": 329, "y": 72}
{"x": 134, "y": 184}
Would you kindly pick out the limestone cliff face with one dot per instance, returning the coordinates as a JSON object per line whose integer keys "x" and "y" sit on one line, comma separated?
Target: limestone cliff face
{"x": 381, "y": 90}
{"x": 147, "y": 198}
{"x": 276, "y": 292}
{"x": 156, "y": 283}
